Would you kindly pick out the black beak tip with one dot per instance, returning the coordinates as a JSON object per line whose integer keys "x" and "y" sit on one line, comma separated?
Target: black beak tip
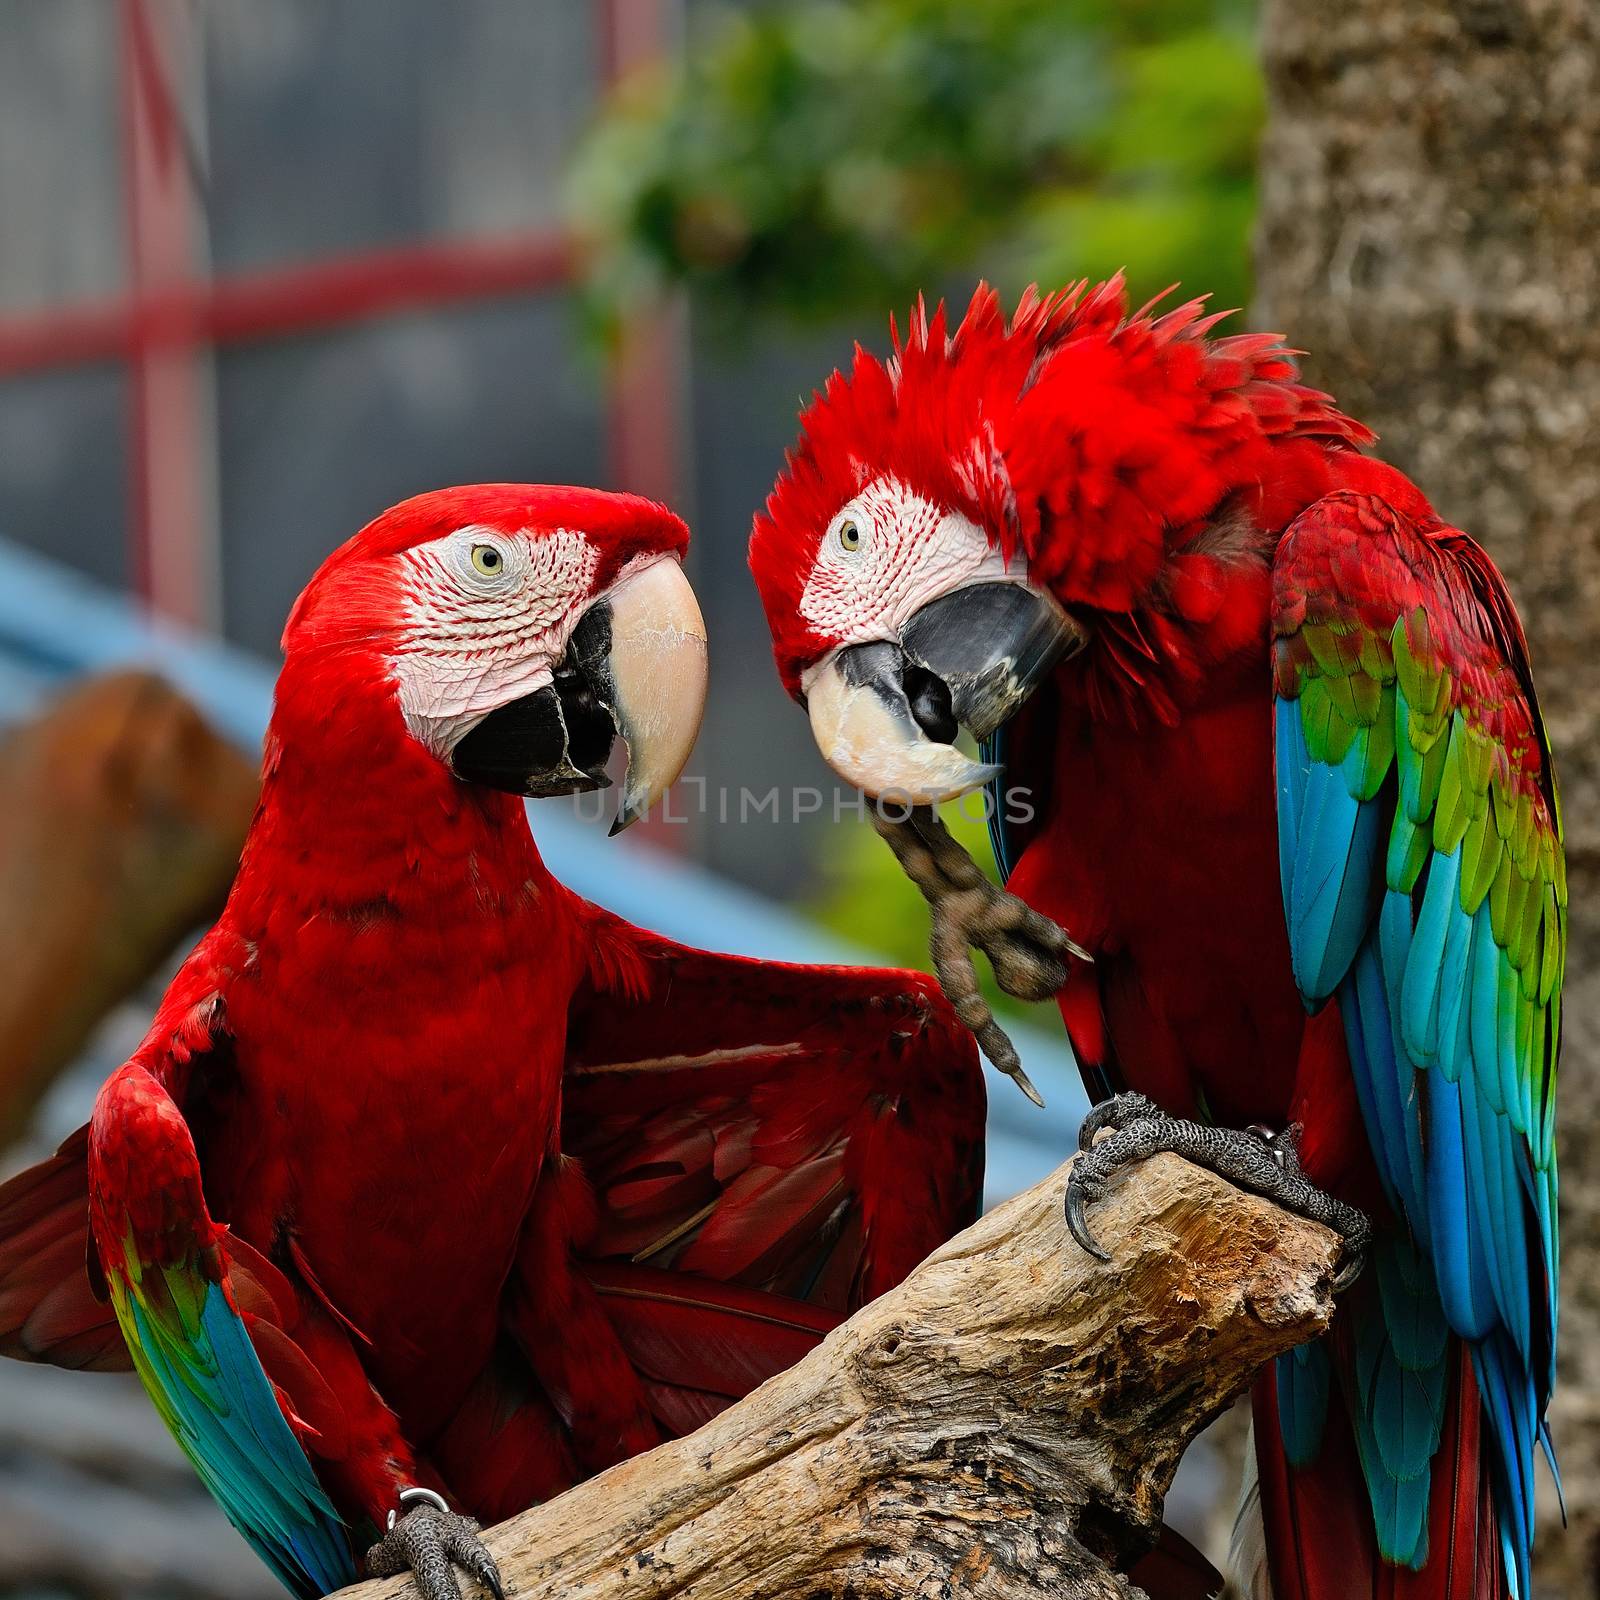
{"x": 981, "y": 652}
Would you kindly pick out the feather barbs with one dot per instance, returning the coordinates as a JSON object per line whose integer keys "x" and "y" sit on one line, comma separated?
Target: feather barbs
{"x": 1089, "y": 438}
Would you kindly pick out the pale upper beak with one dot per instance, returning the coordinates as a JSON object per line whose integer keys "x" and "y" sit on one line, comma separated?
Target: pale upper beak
{"x": 886, "y": 714}
{"x": 635, "y": 666}
{"x": 658, "y": 671}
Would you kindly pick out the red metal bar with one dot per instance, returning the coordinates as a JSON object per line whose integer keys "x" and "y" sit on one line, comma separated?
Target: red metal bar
{"x": 172, "y": 503}
{"x": 633, "y": 34}
{"x": 283, "y": 301}
{"x": 130, "y": 27}
{"x": 645, "y": 387}
{"x": 645, "y": 380}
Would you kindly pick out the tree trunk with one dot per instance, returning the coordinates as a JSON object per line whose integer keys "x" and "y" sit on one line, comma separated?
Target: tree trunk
{"x": 1003, "y": 1424}
{"x": 121, "y": 817}
{"x": 1430, "y": 234}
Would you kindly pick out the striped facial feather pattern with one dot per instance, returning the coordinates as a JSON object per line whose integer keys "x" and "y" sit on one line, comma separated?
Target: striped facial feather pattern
{"x": 887, "y": 552}
{"x": 486, "y": 615}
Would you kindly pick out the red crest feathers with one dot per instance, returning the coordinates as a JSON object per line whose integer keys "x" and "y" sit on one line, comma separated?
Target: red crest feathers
{"x": 1087, "y": 436}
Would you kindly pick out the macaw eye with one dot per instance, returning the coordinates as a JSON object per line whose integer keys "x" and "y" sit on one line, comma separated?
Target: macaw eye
{"x": 849, "y": 535}
{"x": 488, "y": 560}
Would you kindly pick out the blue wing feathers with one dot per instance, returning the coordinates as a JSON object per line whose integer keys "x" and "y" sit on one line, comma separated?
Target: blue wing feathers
{"x": 1304, "y": 1379}
{"x": 1457, "y": 1250}
{"x": 1370, "y": 1071}
{"x": 1445, "y": 1041}
{"x": 1507, "y": 1009}
{"x": 1412, "y": 1313}
{"x": 1292, "y": 767}
{"x": 1389, "y": 1080}
{"x": 1455, "y": 975}
{"x": 1419, "y": 990}
{"x": 224, "y": 1413}
{"x": 1335, "y": 887}
{"x": 1512, "y": 1408}
{"x": 1483, "y": 1001}
{"x": 1398, "y": 1416}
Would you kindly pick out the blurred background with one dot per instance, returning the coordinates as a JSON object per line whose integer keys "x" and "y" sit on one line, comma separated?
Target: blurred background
{"x": 268, "y": 266}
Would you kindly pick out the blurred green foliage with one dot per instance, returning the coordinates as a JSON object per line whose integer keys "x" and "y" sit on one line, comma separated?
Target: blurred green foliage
{"x": 813, "y": 158}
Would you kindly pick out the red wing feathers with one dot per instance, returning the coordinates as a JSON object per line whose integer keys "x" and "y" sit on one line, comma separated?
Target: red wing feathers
{"x": 811, "y": 1131}
{"x": 699, "y": 1346}
{"x": 764, "y": 1148}
{"x": 48, "y": 1310}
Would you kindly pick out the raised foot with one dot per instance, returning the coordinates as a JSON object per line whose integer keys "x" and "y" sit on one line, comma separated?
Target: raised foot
{"x": 1027, "y": 951}
{"x": 1257, "y": 1161}
{"x": 429, "y": 1541}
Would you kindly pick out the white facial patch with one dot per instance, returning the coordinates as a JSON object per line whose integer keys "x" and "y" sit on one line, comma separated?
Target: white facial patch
{"x": 886, "y": 554}
{"x": 487, "y": 617}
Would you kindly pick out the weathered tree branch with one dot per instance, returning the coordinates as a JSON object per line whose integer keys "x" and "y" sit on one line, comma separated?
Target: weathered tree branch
{"x": 1005, "y": 1423}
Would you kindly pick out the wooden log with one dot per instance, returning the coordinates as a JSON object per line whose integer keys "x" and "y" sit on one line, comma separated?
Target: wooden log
{"x": 121, "y": 818}
{"x": 1005, "y": 1423}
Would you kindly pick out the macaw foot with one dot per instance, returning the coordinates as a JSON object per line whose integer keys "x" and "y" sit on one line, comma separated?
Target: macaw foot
{"x": 1260, "y": 1162}
{"x": 1027, "y": 951}
{"x": 428, "y": 1541}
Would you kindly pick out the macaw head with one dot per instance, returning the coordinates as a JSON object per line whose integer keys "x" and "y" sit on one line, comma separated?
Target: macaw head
{"x": 514, "y": 631}
{"x": 957, "y": 520}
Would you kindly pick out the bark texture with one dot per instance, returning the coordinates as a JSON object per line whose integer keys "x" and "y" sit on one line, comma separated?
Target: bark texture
{"x": 121, "y": 818}
{"x": 1430, "y": 235}
{"x": 1005, "y": 1423}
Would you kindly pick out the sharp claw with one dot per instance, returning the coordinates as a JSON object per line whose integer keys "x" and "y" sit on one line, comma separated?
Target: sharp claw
{"x": 1078, "y": 1223}
{"x": 1348, "y": 1272}
{"x": 963, "y": 900}
{"x": 996, "y": 1044}
{"x": 430, "y": 1544}
{"x": 470, "y": 1553}
{"x": 1025, "y": 1084}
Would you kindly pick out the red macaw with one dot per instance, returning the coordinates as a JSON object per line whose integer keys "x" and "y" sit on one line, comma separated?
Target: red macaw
{"x": 433, "y": 1185}
{"x": 1274, "y": 760}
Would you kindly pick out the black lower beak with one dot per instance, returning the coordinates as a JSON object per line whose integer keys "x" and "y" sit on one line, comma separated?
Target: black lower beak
{"x": 556, "y": 740}
{"x": 974, "y": 655}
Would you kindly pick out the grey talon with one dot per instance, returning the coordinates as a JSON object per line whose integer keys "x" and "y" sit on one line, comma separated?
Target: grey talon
{"x": 468, "y": 1552}
{"x": 1116, "y": 1113}
{"x": 1027, "y": 951}
{"x": 1256, "y": 1160}
{"x": 1077, "y": 1222}
{"x": 429, "y": 1543}
{"x": 1347, "y": 1274}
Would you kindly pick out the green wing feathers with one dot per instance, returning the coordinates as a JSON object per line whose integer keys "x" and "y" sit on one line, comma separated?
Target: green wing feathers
{"x": 1424, "y": 887}
{"x": 166, "y": 1267}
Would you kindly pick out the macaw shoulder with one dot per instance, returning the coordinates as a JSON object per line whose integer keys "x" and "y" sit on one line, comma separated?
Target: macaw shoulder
{"x": 192, "y": 1018}
{"x": 1325, "y": 530}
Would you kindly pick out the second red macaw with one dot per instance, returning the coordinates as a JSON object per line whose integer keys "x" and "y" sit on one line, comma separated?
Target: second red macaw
{"x": 433, "y": 1188}
{"x": 1264, "y": 741}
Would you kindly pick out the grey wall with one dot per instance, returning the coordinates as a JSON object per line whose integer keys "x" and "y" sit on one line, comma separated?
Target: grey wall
{"x": 322, "y": 129}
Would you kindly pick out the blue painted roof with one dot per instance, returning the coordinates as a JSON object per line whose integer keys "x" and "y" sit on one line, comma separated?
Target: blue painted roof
{"x": 56, "y": 624}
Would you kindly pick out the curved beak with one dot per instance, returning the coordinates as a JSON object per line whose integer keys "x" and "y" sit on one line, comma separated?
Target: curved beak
{"x": 635, "y": 665}
{"x": 657, "y": 680}
{"x": 886, "y": 716}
